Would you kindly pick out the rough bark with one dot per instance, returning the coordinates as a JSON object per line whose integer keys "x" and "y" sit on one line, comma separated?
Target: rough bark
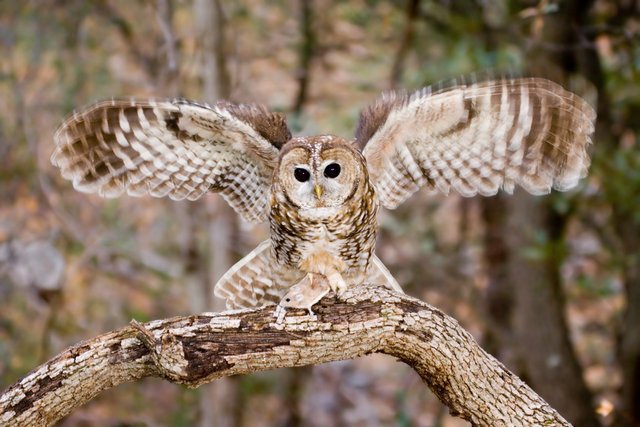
{"x": 197, "y": 349}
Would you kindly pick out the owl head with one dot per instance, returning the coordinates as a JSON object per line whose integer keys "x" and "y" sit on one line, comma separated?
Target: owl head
{"x": 319, "y": 172}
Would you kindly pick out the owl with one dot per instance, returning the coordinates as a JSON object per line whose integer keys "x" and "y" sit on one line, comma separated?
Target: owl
{"x": 321, "y": 194}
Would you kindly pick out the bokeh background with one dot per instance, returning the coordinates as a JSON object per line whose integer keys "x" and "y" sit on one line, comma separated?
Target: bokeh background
{"x": 549, "y": 285}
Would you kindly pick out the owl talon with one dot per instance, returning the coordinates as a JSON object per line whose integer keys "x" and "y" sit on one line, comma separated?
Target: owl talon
{"x": 337, "y": 283}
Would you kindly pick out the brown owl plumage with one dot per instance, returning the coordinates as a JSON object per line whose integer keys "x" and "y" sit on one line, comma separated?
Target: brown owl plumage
{"x": 321, "y": 194}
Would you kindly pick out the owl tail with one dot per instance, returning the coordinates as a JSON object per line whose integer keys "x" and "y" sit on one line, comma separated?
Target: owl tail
{"x": 248, "y": 283}
{"x": 378, "y": 273}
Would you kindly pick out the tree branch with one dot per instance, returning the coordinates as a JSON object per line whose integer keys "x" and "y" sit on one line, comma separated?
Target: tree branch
{"x": 198, "y": 349}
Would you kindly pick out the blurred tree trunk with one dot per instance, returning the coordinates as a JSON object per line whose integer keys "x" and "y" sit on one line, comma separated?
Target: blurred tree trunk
{"x": 625, "y": 222}
{"x": 210, "y": 26}
{"x": 167, "y": 76}
{"x": 544, "y": 350}
{"x": 630, "y": 339}
{"x": 411, "y": 13}
{"x": 572, "y": 28}
{"x": 530, "y": 316}
{"x": 306, "y": 51}
{"x": 627, "y": 230}
{"x": 498, "y": 300}
{"x": 218, "y": 399}
{"x": 215, "y": 78}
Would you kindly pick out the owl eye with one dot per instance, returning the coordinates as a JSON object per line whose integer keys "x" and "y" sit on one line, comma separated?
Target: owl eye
{"x": 332, "y": 170}
{"x": 301, "y": 174}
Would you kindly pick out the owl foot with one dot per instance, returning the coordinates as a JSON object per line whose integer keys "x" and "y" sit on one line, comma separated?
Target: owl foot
{"x": 327, "y": 265}
{"x": 337, "y": 283}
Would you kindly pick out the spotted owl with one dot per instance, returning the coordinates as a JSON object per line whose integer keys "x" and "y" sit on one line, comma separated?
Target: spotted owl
{"x": 321, "y": 194}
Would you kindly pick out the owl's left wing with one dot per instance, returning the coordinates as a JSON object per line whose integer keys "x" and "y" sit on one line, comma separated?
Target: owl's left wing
{"x": 476, "y": 138}
{"x": 173, "y": 148}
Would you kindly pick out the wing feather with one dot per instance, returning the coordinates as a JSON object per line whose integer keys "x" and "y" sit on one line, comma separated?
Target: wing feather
{"x": 475, "y": 138}
{"x": 173, "y": 148}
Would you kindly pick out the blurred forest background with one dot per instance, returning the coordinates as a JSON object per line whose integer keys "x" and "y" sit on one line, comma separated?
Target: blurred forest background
{"x": 549, "y": 285}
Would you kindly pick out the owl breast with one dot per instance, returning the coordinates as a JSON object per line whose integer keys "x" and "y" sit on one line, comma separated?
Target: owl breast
{"x": 321, "y": 239}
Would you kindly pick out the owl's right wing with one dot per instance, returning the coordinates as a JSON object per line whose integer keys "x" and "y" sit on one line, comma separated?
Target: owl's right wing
{"x": 475, "y": 138}
{"x": 173, "y": 148}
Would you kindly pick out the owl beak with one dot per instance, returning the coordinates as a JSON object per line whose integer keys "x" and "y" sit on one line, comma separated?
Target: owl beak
{"x": 318, "y": 191}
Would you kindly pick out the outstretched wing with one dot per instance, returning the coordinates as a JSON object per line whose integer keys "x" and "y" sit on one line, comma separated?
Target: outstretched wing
{"x": 173, "y": 148}
{"x": 475, "y": 138}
